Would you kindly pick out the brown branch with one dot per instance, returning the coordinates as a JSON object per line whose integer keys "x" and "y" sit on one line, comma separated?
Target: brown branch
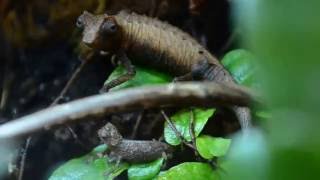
{"x": 205, "y": 94}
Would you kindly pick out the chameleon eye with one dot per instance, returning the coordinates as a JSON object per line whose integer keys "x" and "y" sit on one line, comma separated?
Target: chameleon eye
{"x": 80, "y": 23}
{"x": 109, "y": 27}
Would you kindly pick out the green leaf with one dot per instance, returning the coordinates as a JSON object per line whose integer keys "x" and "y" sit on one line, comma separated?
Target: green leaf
{"x": 189, "y": 171}
{"x": 91, "y": 166}
{"x": 145, "y": 171}
{"x": 210, "y": 147}
{"x": 241, "y": 65}
{"x": 181, "y": 120}
{"x": 144, "y": 76}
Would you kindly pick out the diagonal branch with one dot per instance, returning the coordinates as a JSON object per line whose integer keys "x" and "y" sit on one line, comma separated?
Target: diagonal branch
{"x": 205, "y": 94}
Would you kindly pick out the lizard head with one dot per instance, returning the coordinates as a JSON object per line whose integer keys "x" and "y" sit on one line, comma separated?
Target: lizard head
{"x": 110, "y": 135}
{"x": 100, "y": 32}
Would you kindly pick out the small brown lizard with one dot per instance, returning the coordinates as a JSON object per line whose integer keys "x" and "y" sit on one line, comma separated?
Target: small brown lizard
{"x": 154, "y": 43}
{"x": 132, "y": 151}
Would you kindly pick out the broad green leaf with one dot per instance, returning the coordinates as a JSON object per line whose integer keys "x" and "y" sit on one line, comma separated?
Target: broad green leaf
{"x": 92, "y": 166}
{"x": 241, "y": 65}
{"x": 181, "y": 120}
{"x": 144, "y": 76}
{"x": 210, "y": 147}
{"x": 145, "y": 171}
{"x": 189, "y": 171}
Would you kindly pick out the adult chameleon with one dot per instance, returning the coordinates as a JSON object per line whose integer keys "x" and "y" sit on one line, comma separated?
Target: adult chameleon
{"x": 153, "y": 43}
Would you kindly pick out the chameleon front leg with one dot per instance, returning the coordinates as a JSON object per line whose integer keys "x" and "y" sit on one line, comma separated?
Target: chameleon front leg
{"x": 125, "y": 61}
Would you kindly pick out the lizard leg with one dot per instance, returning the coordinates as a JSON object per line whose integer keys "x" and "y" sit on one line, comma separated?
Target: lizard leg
{"x": 203, "y": 70}
{"x": 198, "y": 72}
{"x": 113, "y": 158}
{"x": 125, "y": 61}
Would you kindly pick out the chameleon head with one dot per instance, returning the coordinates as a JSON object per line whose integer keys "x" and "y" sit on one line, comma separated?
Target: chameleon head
{"x": 110, "y": 135}
{"x": 99, "y": 31}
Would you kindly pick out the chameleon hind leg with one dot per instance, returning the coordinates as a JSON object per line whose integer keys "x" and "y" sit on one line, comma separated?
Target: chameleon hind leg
{"x": 202, "y": 70}
{"x": 131, "y": 72}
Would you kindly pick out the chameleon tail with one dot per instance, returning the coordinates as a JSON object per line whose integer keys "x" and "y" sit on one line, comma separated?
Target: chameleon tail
{"x": 217, "y": 73}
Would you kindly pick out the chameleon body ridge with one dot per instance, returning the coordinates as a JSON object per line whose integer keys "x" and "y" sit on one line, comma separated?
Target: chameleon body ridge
{"x": 160, "y": 44}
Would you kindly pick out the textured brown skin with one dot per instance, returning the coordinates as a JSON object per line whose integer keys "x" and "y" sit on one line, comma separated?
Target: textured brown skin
{"x": 157, "y": 44}
{"x": 130, "y": 150}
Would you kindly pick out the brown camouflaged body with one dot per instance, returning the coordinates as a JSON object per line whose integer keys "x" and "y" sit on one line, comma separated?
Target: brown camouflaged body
{"x": 160, "y": 44}
{"x": 133, "y": 151}
{"x": 148, "y": 41}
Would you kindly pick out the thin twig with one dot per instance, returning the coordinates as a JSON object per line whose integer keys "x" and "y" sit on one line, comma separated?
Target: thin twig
{"x": 8, "y": 76}
{"x": 175, "y": 130}
{"x": 204, "y": 94}
{"x": 137, "y": 124}
{"x": 191, "y": 131}
{"x": 23, "y": 157}
{"x": 70, "y": 82}
{"x": 7, "y": 82}
{"x": 153, "y": 124}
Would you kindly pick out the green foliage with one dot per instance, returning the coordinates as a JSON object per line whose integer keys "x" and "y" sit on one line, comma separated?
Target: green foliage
{"x": 241, "y": 65}
{"x": 145, "y": 171}
{"x": 144, "y": 76}
{"x": 92, "y": 166}
{"x": 189, "y": 171}
{"x": 210, "y": 147}
{"x": 181, "y": 120}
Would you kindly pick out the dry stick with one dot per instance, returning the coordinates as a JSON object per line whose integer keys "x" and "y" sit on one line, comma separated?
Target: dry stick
{"x": 70, "y": 82}
{"x": 7, "y": 81}
{"x": 175, "y": 130}
{"x": 204, "y": 94}
{"x": 152, "y": 125}
{"x": 191, "y": 131}
{"x": 23, "y": 157}
{"x": 137, "y": 124}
